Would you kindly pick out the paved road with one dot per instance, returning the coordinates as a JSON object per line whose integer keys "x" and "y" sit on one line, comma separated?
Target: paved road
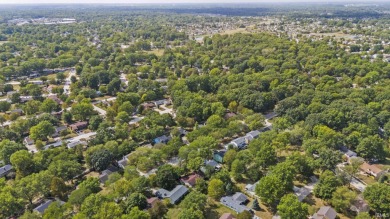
{"x": 101, "y": 111}
{"x": 68, "y": 82}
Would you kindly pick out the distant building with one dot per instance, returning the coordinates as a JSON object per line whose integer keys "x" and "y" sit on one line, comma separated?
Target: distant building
{"x": 251, "y": 188}
{"x": 236, "y": 202}
{"x": 28, "y": 141}
{"x": 252, "y": 135}
{"x": 4, "y": 170}
{"x": 162, "y": 139}
{"x": 372, "y": 170}
{"x": 103, "y": 177}
{"x": 175, "y": 195}
{"x": 78, "y": 126}
{"x": 325, "y": 212}
{"x": 190, "y": 180}
{"x": 42, "y": 207}
{"x": 239, "y": 143}
{"x": 218, "y": 156}
{"x": 58, "y": 130}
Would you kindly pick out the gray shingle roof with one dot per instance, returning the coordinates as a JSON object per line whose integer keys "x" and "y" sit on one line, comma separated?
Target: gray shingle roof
{"x": 4, "y": 170}
{"x": 41, "y": 208}
{"x": 175, "y": 195}
{"x": 325, "y": 212}
{"x": 229, "y": 202}
{"x": 240, "y": 197}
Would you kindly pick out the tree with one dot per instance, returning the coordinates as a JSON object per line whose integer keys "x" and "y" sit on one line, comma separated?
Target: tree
{"x": 328, "y": 158}
{"x": 290, "y": 207}
{"x": 229, "y": 157}
{"x": 34, "y": 186}
{"x": 137, "y": 213}
{"x": 244, "y": 215}
{"x": 65, "y": 169}
{"x": 363, "y": 215}
{"x": 82, "y": 111}
{"x": 342, "y": 198}
{"x": 166, "y": 177}
{"x": 255, "y": 205}
{"x": 67, "y": 117}
{"x": 271, "y": 189}
{"x": 7, "y": 148}
{"x": 55, "y": 210}
{"x": 91, "y": 184}
{"x": 372, "y": 148}
{"x": 158, "y": 210}
{"x": 23, "y": 162}
{"x": 101, "y": 159}
{"x": 58, "y": 187}
{"x": 377, "y": 196}
{"x": 49, "y": 105}
{"x": 10, "y": 204}
{"x": 195, "y": 200}
{"x": 78, "y": 196}
{"x": 191, "y": 214}
{"x": 216, "y": 189}
{"x": 238, "y": 168}
{"x": 4, "y": 106}
{"x": 42, "y": 130}
{"x": 136, "y": 200}
{"x": 327, "y": 184}
{"x": 108, "y": 210}
{"x": 195, "y": 163}
{"x": 353, "y": 168}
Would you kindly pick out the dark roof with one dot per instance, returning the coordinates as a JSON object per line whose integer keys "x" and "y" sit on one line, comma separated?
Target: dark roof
{"x": 4, "y": 170}
{"x": 212, "y": 163}
{"x": 177, "y": 193}
{"x": 60, "y": 128}
{"x": 190, "y": 179}
{"x": 240, "y": 197}
{"x": 103, "y": 177}
{"x": 220, "y": 153}
{"x": 41, "y": 208}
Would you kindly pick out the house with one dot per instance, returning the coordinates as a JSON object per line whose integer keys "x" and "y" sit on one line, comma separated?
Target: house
{"x": 251, "y": 188}
{"x": 252, "y": 135}
{"x": 56, "y": 99}
{"x": 24, "y": 99}
{"x": 218, "y": 156}
{"x": 175, "y": 195}
{"x": 348, "y": 153}
{"x": 227, "y": 216}
{"x": 212, "y": 164}
{"x": 360, "y": 205}
{"x": 28, "y": 141}
{"x": 236, "y": 202}
{"x": 78, "y": 126}
{"x": 190, "y": 180}
{"x": 123, "y": 162}
{"x": 239, "y": 143}
{"x": 325, "y": 212}
{"x": 58, "y": 130}
{"x": 36, "y": 82}
{"x": 372, "y": 170}
{"x": 158, "y": 103}
{"x": 72, "y": 144}
{"x": 301, "y": 193}
{"x": 42, "y": 207}
{"x": 152, "y": 201}
{"x": 103, "y": 177}
{"x": 17, "y": 111}
{"x": 229, "y": 115}
{"x": 147, "y": 106}
{"x": 4, "y": 170}
{"x": 162, "y": 139}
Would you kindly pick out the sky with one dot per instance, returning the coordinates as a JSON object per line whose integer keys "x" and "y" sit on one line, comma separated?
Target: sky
{"x": 159, "y": 1}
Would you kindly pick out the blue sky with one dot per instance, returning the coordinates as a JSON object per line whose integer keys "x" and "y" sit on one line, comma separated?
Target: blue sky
{"x": 158, "y": 1}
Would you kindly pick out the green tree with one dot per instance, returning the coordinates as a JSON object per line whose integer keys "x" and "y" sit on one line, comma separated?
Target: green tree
{"x": 290, "y": 207}
{"x": 191, "y": 214}
{"x": 82, "y": 111}
{"x": 23, "y": 162}
{"x": 255, "y": 205}
{"x": 108, "y": 210}
{"x": 271, "y": 189}
{"x": 137, "y": 213}
{"x": 363, "y": 215}
{"x": 101, "y": 159}
{"x": 65, "y": 169}
{"x": 216, "y": 189}
{"x": 34, "y": 186}
{"x": 244, "y": 215}
{"x": 7, "y": 148}
{"x": 42, "y": 130}
{"x": 58, "y": 187}
{"x": 48, "y": 106}
{"x": 195, "y": 200}
{"x": 327, "y": 184}
{"x": 55, "y": 210}
{"x": 342, "y": 198}
{"x": 353, "y": 168}
{"x": 136, "y": 200}
{"x": 166, "y": 177}
{"x": 372, "y": 148}
{"x": 158, "y": 210}
{"x": 377, "y": 196}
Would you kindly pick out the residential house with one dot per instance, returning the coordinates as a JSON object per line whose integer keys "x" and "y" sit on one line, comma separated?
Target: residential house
{"x": 227, "y": 216}
{"x": 4, "y": 170}
{"x": 237, "y": 202}
{"x": 210, "y": 163}
{"x": 28, "y": 141}
{"x": 190, "y": 180}
{"x": 157, "y": 103}
{"x": 348, "y": 153}
{"x": 372, "y": 170}
{"x": 17, "y": 111}
{"x": 218, "y": 156}
{"x": 147, "y": 106}
{"x": 72, "y": 144}
{"x": 175, "y": 195}
{"x": 103, "y": 177}
{"x": 360, "y": 205}
{"x": 58, "y": 130}
{"x": 152, "y": 201}
{"x": 251, "y": 135}
{"x": 78, "y": 126}
{"x": 56, "y": 99}
{"x": 325, "y": 212}
{"x": 239, "y": 143}
{"x": 251, "y": 188}
{"x": 24, "y": 99}
{"x": 301, "y": 193}
{"x": 123, "y": 162}
{"x": 162, "y": 139}
{"x": 42, "y": 207}
{"x": 229, "y": 115}
{"x": 36, "y": 82}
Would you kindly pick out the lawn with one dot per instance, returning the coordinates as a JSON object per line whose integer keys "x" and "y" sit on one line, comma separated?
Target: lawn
{"x": 157, "y": 52}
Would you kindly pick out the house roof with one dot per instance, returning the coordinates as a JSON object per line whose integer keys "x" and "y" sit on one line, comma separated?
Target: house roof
{"x": 103, "y": 177}
{"x": 177, "y": 193}
{"x": 227, "y": 216}
{"x": 325, "y": 212}
{"x": 251, "y": 187}
{"x": 212, "y": 163}
{"x": 79, "y": 124}
{"x": 254, "y": 133}
{"x": 60, "y": 128}
{"x": 41, "y": 208}
{"x": 122, "y": 162}
{"x": 240, "y": 197}
{"x": 152, "y": 200}
{"x": 370, "y": 168}
{"x": 220, "y": 153}
{"x": 233, "y": 204}
{"x": 239, "y": 141}
{"x": 190, "y": 179}
{"x": 5, "y": 169}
